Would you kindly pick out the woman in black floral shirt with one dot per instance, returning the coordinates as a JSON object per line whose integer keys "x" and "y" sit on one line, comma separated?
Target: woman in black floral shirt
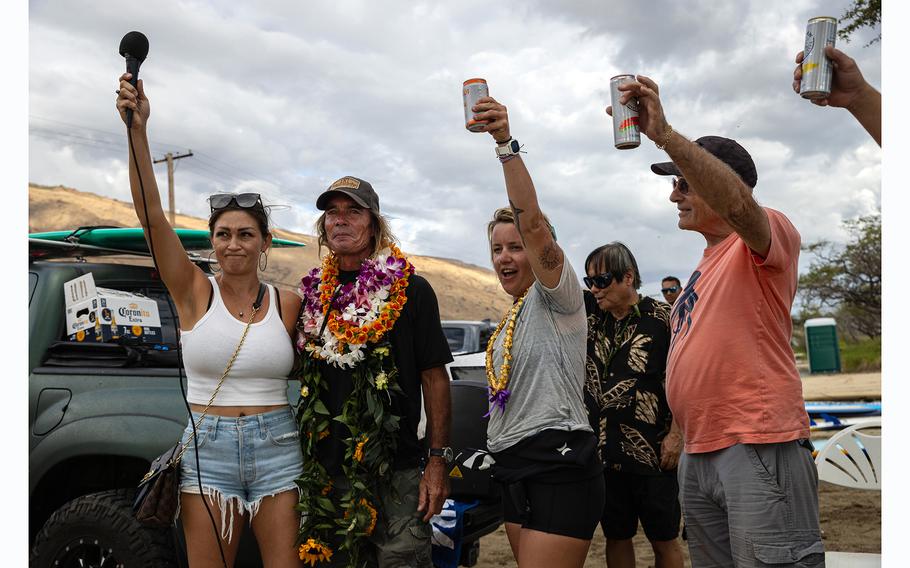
{"x": 628, "y": 340}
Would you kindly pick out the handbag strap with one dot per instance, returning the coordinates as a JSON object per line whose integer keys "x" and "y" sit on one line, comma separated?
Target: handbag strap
{"x": 256, "y": 305}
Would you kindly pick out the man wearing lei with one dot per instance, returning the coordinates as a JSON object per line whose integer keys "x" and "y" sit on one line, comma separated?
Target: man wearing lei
{"x": 369, "y": 343}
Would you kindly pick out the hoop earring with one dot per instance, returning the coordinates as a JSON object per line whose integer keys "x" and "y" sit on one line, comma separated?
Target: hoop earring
{"x": 263, "y": 266}
{"x": 212, "y": 264}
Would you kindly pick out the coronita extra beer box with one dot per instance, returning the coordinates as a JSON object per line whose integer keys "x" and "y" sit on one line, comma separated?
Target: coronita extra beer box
{"x": 95, "y": 314}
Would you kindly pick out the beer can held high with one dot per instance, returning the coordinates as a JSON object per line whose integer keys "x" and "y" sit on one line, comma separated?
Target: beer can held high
{"x": 626, "y": 133}
{"x": 472, "y": 91}
{"x": 818, "y": 70}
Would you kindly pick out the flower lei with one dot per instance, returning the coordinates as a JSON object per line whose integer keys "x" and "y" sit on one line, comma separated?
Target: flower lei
{"x": 345, "y": 326}
{"x": 499, "y": 394}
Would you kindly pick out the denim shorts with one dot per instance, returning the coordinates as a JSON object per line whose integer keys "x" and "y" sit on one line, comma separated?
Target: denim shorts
{"x": 242, "y": 459}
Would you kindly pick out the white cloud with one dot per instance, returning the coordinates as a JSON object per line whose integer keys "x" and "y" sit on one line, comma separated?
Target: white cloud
{"x": 286, "y": 97}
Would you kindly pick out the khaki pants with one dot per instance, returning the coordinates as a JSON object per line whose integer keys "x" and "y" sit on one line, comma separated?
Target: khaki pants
{"x": 402, "y": 539}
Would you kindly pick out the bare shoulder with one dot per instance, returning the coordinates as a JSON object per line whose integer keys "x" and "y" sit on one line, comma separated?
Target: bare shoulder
{"x": 290, "y": 307}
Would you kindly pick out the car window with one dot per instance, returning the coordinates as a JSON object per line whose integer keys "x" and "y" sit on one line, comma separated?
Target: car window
{"x": 455, "y": 336}
{"x": 128, "y": 351}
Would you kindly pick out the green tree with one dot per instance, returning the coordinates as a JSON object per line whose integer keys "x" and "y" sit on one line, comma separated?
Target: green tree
{"x": 846, "y": 280}
{"x": 862, "y": 14}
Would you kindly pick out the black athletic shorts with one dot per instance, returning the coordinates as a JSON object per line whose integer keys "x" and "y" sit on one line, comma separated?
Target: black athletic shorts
{"x": 570, "y": 508}
{"x": 652, "y": 499}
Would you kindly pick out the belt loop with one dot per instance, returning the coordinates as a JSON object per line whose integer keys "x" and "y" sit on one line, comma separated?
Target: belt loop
{"x": 262, "y": 426}
{"x": 213, "y": 429}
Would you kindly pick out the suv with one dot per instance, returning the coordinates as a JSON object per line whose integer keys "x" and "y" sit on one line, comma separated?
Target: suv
{"x": 99, "y": 413}
{"x": 467, "y": 336}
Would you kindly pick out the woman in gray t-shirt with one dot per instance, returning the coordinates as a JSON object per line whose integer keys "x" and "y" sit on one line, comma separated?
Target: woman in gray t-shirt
{"x": 545, "y": 450}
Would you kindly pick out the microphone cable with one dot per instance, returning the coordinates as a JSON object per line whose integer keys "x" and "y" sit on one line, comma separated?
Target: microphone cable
{"x": 148, "y": 234}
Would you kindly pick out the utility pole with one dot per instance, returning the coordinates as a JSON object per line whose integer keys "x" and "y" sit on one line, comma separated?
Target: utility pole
{"x": 169, "y": 158}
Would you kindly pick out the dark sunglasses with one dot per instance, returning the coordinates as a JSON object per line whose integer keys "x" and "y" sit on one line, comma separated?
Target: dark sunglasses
{"x": 243, "y": 200}
{"x": 681, "y": 184}
{"x": 601, "y": 280}
{"x": 670, "y": 289}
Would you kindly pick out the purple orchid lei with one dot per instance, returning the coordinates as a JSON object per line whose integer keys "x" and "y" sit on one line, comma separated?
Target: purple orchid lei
{"x": 360, "y": 302}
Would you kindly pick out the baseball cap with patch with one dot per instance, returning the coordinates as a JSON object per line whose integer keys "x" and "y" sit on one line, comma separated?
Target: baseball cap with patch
{"x": 357, "y": 189}
{"x": 726, "y": 150}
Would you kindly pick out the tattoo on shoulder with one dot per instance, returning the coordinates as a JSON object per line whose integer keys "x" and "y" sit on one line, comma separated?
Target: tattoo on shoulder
{"x": 550, "y": 257}
{"x": 517, "y": 213}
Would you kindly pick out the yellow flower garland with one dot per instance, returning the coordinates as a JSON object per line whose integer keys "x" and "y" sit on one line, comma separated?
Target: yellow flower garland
{"x": 498, "y": 384}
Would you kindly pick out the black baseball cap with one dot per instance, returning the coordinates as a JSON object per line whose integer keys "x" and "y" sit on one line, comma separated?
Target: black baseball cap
{"x": 726, "y": 150}
{"x": 357, "y": 189}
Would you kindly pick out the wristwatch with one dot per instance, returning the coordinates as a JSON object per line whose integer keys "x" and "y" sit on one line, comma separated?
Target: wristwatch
{"x": 445, "y": 453}
{"x": 508, "y": 148}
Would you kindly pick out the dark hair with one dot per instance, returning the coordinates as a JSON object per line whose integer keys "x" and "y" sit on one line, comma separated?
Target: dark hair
{"x": 617, "y": 259}
{"x": 257, "y": 213}
{"x": 673, "y": 278}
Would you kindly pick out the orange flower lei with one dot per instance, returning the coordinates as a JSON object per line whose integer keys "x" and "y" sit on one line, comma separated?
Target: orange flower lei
{"x": 348, "y": 334}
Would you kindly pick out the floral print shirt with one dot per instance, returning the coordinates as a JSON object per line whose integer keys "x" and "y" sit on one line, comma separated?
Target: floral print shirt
{"x": 624, "y": 384}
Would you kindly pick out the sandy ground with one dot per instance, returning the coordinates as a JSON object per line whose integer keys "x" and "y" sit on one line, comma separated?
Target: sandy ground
{"x": 850, "y": 518}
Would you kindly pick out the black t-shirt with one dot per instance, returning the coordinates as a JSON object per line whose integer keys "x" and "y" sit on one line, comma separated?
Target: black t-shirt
{"x": 418, "y": 344}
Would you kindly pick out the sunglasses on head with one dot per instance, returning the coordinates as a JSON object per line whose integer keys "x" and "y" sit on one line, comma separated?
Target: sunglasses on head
{"x": 670, "y": 289}
{"x": 681, "y": 184}
{"x": 243, "y": 200}
{"x": 601, "y": 280}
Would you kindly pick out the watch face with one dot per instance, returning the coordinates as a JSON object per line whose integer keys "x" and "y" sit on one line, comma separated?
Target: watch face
{"x": 513, "y": 145}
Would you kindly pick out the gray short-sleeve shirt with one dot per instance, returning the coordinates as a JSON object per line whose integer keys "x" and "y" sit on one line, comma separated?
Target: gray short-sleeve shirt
{"x": 548, "y": 357}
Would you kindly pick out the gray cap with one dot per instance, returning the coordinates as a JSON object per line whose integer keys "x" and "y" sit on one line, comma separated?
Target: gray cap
{"x": 357, "y": 189}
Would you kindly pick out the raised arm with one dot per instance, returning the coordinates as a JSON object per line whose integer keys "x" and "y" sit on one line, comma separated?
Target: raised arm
{"x": 849, "y": 90}
{"x": 184, "y": 280}
{"x": 711, "y": 179}
{"x": 545, "y": 255}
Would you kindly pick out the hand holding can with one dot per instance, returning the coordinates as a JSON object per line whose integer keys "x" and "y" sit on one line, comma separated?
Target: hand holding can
{"x": 472, "y": 91}
{"x": 626, "y": 132}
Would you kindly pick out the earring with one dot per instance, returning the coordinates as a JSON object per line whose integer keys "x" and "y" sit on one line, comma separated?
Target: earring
{"x": 262, "y": 266}
{"x": 213, "y": 263}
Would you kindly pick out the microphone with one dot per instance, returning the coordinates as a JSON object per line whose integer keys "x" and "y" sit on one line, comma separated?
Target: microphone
{"x": 134, "y": 47}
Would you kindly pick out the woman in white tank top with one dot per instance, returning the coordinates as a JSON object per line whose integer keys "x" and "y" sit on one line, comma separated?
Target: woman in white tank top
{"x": 248, "y": 452}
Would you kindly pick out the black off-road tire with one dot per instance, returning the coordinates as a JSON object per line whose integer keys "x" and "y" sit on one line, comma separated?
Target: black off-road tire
{"x": 99, "y": 530}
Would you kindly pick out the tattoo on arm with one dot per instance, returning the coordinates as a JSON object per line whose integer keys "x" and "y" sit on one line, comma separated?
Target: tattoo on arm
{"x": 550, "y": 257}
{"x": 517, "y": 213}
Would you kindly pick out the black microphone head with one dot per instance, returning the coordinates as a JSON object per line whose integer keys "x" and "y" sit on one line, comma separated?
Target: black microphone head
{"x": 134, "y": 44}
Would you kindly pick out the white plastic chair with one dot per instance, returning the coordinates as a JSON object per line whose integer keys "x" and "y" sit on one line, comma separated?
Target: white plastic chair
{"x": 853, "y": 458}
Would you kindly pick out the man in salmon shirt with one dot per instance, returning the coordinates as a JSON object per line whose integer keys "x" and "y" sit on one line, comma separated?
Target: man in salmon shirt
{"x": 747, "y": 481}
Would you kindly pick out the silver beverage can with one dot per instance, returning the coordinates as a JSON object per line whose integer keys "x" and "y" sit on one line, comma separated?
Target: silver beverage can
{"x": 626, "y": 133}
{"x": 818, "y": 70}
{"x": 472, "y": 91}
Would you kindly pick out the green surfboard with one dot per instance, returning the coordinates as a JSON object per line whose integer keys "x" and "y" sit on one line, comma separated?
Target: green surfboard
{"x": 133, "y": 239}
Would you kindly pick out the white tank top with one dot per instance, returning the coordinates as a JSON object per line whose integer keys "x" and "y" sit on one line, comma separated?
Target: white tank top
{"x": 259, "y": 376}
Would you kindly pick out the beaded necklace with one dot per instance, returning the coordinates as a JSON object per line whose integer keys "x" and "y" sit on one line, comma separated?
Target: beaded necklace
{"x": 499, "y": 394}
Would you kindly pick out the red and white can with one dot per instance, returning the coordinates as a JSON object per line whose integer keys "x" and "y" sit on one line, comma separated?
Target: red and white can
{"x": 472, "y": 91}
{"x": 626, "y": 133}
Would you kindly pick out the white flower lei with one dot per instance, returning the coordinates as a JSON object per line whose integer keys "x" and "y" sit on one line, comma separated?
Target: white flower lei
{"x": 363, "y": 302}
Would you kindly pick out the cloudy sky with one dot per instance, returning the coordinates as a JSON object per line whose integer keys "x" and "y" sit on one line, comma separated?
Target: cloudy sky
{"x": 284, "y": 97}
